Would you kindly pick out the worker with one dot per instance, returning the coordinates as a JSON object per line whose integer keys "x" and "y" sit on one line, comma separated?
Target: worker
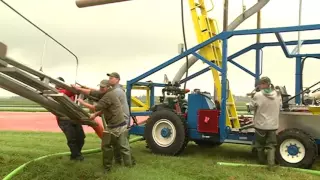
{"x": 114, "y": 80}
{"x": 86, "y": 90}
{"x": 266, "y": 104}
{"x": 73, "y": 131}
{"x": 116, "y": 132}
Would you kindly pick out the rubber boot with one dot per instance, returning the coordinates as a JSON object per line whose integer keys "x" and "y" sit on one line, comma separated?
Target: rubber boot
{"x": 125, "y": 149}
{"x": 271, "y": 158}
{"x": 261, "y": 157}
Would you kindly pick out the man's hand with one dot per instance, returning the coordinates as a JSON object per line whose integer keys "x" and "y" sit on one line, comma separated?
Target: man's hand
{"x": 81, "y": 101}
{"x": 75, "y": 86}
{"x": 93, "y": 116}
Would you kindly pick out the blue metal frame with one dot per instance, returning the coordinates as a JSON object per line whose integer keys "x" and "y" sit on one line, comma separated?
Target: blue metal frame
{"x": 224, "y": 36}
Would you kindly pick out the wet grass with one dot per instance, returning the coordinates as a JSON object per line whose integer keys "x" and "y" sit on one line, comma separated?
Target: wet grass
{"x": 195, "y": 163}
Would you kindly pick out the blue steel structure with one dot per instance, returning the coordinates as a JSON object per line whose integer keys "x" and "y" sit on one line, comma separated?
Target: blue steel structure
{"x": 224, "y": 132}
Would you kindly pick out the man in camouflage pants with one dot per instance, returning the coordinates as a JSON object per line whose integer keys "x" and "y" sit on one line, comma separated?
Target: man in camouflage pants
{"x": 266, "y": 104}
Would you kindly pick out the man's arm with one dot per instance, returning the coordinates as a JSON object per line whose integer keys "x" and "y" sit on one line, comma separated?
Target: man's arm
{"x": 89, "y": 92}
{"x": 82, "y": 90}
{"x": 253, "y": 104}
{"x": 87, "y": 105}
{"x": 94, "y": 115}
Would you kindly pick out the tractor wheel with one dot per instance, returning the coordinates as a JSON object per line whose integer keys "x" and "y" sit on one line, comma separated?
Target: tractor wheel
{"x": 166, "y": 133}
{"x": 207, "y": 144}
{"x": 296, "y": 149}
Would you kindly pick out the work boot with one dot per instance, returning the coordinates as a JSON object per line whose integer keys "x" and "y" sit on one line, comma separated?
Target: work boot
{"x": 106, "y": 170}
{"x": 133, "y": 160}
{"x": 271, "y": 158}
{"x": 78, "y": 158}
{"x": 261, "y": 157}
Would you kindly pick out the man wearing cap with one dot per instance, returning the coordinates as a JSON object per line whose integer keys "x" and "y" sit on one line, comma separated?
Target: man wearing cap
{"x": 266, "y": 104}
{"x": 116, "y": 132}
{"x": 114, "y": 80}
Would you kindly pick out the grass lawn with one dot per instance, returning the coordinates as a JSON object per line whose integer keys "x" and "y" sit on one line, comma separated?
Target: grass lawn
{"x": 195, "y": 163}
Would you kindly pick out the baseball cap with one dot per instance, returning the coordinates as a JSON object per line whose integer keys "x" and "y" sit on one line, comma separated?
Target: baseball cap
{"x": 114, "y": 74}
{"x": 264, "y": 80}
{"x": 104, "y": 83}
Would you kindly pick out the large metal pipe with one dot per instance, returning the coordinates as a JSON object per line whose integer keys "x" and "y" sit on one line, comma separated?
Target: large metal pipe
{"x": 88, "y": 3}
{"x": 248, "y": 13}
{"x": 258, "y": 26}
{"x": 241, "y": 18}
{"x": 225, "y": 14}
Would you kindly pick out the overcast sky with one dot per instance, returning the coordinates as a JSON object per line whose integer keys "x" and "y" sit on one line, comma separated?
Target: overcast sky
{"x": 133, "y": 37}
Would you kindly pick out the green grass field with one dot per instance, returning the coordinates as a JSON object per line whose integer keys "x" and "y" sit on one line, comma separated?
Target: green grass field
{"x": 195, "y": 163}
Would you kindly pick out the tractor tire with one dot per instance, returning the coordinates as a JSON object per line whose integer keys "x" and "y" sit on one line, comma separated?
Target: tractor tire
{"x": 207, "y": 144}
{"x": 296, "y": 149}
{"x": 166, "y": 133}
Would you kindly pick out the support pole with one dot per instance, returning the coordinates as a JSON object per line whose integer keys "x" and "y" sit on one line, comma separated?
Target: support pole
{"x": 225, "y": 28}
{"x": 298, "y": 80}
{"x": 225, "y": 15}
{"x": 258, "y": 51}
{"x": 300, "y": 10}
{"x": 222, "y": 118}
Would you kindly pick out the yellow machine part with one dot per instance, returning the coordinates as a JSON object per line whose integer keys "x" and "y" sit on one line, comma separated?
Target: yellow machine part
{"x": 205, "y": 29}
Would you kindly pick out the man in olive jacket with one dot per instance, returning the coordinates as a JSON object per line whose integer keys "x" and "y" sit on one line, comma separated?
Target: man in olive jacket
{"x": 116, "y": 132}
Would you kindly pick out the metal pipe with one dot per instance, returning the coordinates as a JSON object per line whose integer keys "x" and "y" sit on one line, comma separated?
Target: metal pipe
{"x": 300, "y": 11}
{"x": 248, "y": 13}
{"x": 88, "y": 3}
{"x": 225, "y": 15}
{"x": 75, "y": 56}
{"x": 241, "y": 18}
{"x": 259, "y": 25}
{"x": 258, "y": 51}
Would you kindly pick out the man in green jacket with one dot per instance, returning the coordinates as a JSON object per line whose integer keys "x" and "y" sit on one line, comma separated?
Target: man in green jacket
{"x": 116, "y": 132}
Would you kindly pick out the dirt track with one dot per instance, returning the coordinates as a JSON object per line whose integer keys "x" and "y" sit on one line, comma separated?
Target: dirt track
{"x": 33, "y": 121}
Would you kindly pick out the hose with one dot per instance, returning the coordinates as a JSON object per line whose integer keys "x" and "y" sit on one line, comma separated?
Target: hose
{"x": 185, "y": 42}
{"x": 309, "y": 171}
{"x": 89, "y": 151}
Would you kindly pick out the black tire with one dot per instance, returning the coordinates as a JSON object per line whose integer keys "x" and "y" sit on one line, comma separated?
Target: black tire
{"x": 181, "y": 138}
{"x": 310, "y": 146}
{"x": 207, "y": 144}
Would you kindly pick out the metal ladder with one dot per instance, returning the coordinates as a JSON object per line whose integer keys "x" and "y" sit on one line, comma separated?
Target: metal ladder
{"x": 26, "y": 82}
{"x": 205, "y": 29}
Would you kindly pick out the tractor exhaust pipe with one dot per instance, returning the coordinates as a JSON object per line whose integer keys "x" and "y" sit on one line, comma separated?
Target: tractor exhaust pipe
{"x": 88, "y": 3}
